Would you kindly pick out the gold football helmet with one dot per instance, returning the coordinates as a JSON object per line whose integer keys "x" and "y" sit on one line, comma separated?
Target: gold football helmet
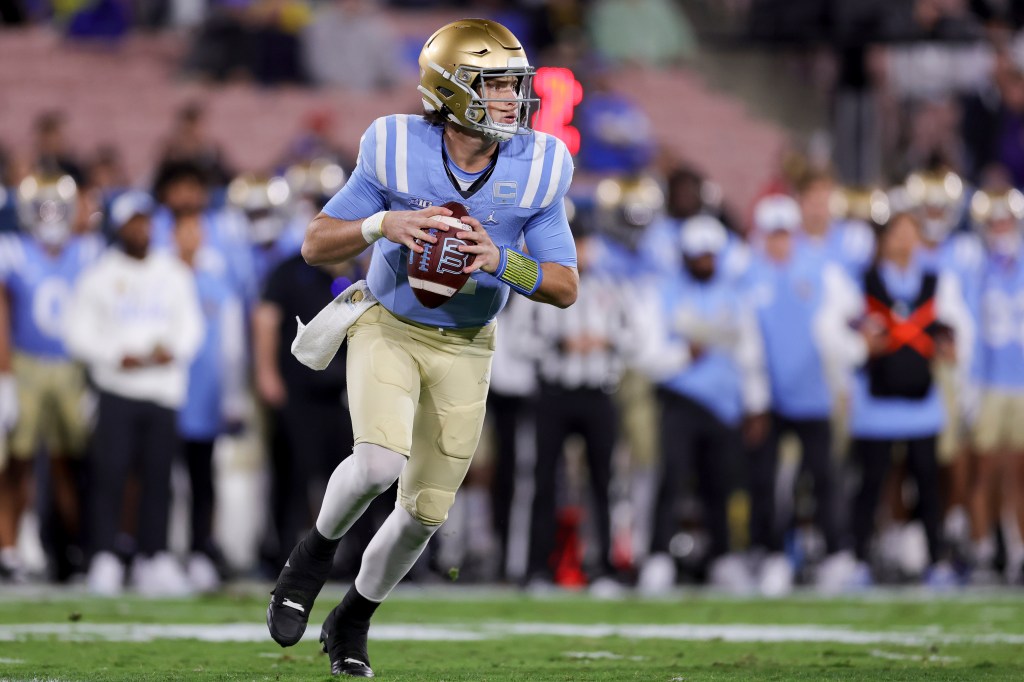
{"x": 458, "y": 60}
{"x": 46, "y": 207}
{"x": 988, "y": 207}
{"x": 626, "y": 206}
{"x": 264, "y": 201}
{"x": 939, "y": 197}
{"x": 867, "y": 204}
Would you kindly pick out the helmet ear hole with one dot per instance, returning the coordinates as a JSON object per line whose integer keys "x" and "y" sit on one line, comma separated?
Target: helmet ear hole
{"x": 445, "y": 91}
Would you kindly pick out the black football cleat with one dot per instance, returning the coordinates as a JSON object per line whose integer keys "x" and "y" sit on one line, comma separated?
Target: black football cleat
{"x": 345, "y": 645}
{"x": 297, "y": 587}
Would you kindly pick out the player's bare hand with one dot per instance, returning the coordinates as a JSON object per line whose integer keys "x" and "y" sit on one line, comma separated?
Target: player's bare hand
{"x": 133, "y": 362}
{"x": 271, "y": 388}
{"x": 488, "y": 257}
{"x": 405, "y": 227}
{"x": 161, "y": 356}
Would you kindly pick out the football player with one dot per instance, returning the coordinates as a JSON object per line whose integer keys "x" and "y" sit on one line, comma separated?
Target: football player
{"x": 418, "y": 377}
{"x": 41, "y": 389}
{"x": 267, "y": 203}
{"x": 998, "y": 432}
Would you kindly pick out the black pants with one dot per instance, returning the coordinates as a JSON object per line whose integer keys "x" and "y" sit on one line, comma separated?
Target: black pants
{"x": 875, "y": 458}
{"x": 507, "y": 413}
{"x": 131, "y": 435}
{"x": 561, "y": 413}
{"x": 199, "y": 458}
{"x": 318, "y": 434}
{"x": 815, "y": 437}
{"x": 693, "y": 441}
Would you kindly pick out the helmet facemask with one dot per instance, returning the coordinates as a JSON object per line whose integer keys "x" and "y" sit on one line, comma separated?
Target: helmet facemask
{"x": 466, "y": 103}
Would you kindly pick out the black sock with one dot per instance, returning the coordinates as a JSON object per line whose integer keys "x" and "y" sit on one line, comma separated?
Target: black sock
{"x": 320, "y": 548}
{"x": 357, "y": 607}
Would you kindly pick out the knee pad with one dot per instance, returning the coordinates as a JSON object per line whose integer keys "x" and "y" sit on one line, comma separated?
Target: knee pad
{"x": 429, "y": 506}
{"x": 378, "y": 466}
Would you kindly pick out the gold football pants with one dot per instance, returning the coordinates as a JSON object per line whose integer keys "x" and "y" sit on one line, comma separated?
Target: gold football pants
{"x": 421, "y": 392}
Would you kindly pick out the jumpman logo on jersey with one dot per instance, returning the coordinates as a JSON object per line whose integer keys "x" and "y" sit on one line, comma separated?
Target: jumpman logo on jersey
{"x": 489, "y": 220}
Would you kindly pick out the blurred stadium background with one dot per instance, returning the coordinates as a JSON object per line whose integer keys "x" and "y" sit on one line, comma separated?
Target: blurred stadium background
{"x": 243, "y": 116}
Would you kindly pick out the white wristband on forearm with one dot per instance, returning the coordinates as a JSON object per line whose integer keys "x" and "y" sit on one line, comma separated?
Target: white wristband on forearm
{"x": 372, "y": 227}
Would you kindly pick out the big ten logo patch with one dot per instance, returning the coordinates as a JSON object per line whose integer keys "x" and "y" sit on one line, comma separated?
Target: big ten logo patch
{"x": 452, "y": 261}
{"x": 560, "y": 93}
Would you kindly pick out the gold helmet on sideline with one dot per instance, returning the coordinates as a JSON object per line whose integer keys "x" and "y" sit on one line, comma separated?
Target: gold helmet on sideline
{"x": 939, "y": 197}
{"x": 866, "y": 204}
{"x": 988, "y": 206}
{"x": 46, "y": 207}
{"x": 265, "y": 201}
{"x": 455, "y": 63}
{"x": 997, "y": 215}
{"x": 626, "y": 206}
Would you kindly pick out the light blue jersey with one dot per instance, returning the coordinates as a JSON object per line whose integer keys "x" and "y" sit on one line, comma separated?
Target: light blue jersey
{"x": 879, "y": 418}
{"x": 999, "y": 310}
{"x": 789, "y": 297}
{"x": 400, "y": 167}
{"x": 612, "y": 258}
{"x": 850, "y": 243}
{"x": 662, "y": 250}
{"x": 224, "y": 230}
{"x": 215, "y": 375}
{"x": 963, "y": 255}
{"x": 714, "y": 379}
{"x": 40, "y": 286}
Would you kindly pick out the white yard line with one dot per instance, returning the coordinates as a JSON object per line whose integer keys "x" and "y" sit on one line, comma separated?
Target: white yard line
{"x": 931, "y": 658}
{"x": 601, "y": 656}
{"x": 257, "y": 632}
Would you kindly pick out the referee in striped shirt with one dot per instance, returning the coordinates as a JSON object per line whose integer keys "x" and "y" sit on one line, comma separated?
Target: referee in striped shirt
{"x": 580, "y": 355}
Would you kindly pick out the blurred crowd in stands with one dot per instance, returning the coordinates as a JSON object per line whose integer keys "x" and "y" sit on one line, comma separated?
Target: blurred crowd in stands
{"x": 824, "y": 388}
{"x": 350, "y": 42}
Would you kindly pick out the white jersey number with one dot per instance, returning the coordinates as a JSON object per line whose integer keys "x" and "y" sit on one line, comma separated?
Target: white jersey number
{"x": 48, "y": 306}
{"x": 1002, "y": 317}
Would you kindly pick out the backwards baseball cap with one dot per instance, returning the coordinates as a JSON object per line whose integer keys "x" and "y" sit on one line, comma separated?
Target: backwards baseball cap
{"x": 128, "y": 205}
{"x": 777, "y": 212}
{"x": 703, "y": 234}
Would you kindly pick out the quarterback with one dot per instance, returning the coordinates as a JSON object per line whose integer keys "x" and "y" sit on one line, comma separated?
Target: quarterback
{"x": 417, "y": 376}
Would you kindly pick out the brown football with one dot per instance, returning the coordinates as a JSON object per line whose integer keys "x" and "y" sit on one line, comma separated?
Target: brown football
{"x": 437, "y": 274}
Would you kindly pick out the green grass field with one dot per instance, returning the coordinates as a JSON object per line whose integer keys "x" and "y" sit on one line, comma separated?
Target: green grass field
{"x": 465, "y": 634}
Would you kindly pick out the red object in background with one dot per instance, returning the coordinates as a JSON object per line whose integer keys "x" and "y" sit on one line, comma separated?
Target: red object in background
{"x": 560, "y": 93}
{"x": 567, "y": 559}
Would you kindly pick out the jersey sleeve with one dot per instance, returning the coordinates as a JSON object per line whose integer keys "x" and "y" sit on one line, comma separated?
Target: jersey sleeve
{"x": 547, "y": 234}
{"x": 12, "y": 256}
{"x": 363, "y": 194}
